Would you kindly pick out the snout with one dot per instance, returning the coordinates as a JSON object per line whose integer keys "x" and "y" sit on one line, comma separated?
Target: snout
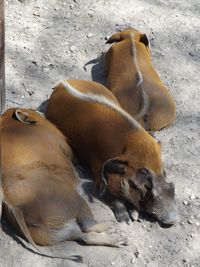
{"x": 170, "y": 218}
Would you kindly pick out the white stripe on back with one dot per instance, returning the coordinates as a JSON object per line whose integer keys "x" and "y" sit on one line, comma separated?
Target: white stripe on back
{"x": 100, "y": 99}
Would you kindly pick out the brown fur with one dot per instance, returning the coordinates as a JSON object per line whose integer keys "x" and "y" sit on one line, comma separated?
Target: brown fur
{"x": 39, "y": 183}
{"x": 131, "y": 74}
{"x": 105, "y": 137}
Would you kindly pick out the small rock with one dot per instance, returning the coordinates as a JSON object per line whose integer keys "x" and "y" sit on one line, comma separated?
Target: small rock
{"x": 185, "y": 202}
{"x": 72, "y": 48}
{"x": 192, "y": 197}
{"x": 46, "y": 69}
{"x": 191, "y": 54}
{"x": 68, "y": 16}
{"x": 197, "y": 223}
{"x": 31, "y": 93}
{"x": 135, "y": 215}
{"x": 182, "y": 223}
{"x": 34, "y": 62}
{"x": 190, "y": 221}
{"x": 89, "y": 35}
{"x": 90, "y": 13}
{"x": 56, "y": 8}
{"x": 71, "y": 6}
{"x": 22, "y": 96}
{"x": 136, "y": 253}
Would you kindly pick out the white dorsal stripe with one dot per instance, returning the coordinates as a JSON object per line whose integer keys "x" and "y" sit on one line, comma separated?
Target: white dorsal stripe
{"x": 100, "y": 99}
{"x": 135, "y": 61}
{"x": 143, "y": 111}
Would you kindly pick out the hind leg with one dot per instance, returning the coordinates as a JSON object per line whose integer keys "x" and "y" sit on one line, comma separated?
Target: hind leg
{"x": 87, "y": 221}
{"x": 101, "y": 239}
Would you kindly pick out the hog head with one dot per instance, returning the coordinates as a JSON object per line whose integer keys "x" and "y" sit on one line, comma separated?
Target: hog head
{"x": 129, "y": 33}
{"x": 142, "y": 181}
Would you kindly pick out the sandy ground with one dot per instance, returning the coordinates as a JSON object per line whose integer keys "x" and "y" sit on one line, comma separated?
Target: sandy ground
{"x": 47, "y": 41}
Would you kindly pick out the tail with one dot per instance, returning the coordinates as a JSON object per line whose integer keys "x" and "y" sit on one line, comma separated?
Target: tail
{"x": 93, "y": 61}
{"x": 96, "y": 60}
{"x": 18, "y": 215}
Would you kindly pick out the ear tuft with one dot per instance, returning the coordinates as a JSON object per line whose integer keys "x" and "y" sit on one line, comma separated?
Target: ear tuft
{"x": 144, "y": 39}
{"x": 24, "y": 117}
{"x": 114, "y": 38}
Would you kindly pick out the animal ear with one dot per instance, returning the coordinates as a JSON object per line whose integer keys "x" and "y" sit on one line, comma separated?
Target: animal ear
{"x": 117, "y": 166}
{"x": 159, "y": 145}
{"x": 114, "y": 38}
{"x": 24, "y": 117}
{"x": 144, "y": 39}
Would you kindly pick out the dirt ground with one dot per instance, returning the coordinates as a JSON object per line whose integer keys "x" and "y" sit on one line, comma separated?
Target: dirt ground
{"x": 47, "y": 41}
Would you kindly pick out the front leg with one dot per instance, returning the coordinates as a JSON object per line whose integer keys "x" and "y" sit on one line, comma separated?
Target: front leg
{"x": 118, "y": 207}
{"x": 120, "y": 211}
{"x": 116, "y": 204}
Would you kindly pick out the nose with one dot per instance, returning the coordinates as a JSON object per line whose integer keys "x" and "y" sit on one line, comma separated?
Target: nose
{"x": 170, "y": 218}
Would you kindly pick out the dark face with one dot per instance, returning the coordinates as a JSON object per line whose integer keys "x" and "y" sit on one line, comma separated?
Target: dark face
{"x": 157, "y": 197}
{"x": 144, "y": 189}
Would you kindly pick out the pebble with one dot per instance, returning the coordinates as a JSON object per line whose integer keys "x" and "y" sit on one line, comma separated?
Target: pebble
{"x": 136, "y": 253}
{"x": 68, "y": 16}
{"x": 197, "y": 223}
{"x": 56, "y": 8}
{"x": 132, "y": 260}
{"x": 46, "y": 69}
{"x": 72, "y": 48}
{"x": 135, "y": 215}
{"x": 90, "y": 13}
{"x": 190, "y": 221}
{"x": 22, "y": 96}
{"x": 185, "y": 202}
{"x": 34, "y": 62}
{"x": 192, "y": 197}
{"x": 89, "y": 35}
{"x": 31, "y": 93}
